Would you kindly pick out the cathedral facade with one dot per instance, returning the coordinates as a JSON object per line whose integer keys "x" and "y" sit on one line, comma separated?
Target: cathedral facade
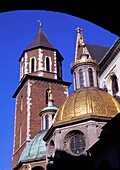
{"x": 55, "y": 130}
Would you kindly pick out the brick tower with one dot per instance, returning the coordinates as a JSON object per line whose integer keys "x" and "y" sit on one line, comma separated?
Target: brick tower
{"x": 40, "y": 69}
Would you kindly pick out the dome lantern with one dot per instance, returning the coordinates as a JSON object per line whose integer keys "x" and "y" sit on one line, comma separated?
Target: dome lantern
{"x": 47, "y": 113}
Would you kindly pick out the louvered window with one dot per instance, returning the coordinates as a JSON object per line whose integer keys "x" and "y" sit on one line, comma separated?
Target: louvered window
{"x": 47, "y": 64}
{"x": 47, "y": 121}
{"x": 81, "y": 76}
{"x": 32, "y": 65}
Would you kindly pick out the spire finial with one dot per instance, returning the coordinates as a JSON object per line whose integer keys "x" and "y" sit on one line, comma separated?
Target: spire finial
{"x": 40, "y": 23}
{"x": 79, "y": 30}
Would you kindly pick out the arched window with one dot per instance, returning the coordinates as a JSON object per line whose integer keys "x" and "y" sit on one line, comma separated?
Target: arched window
{"x": 22, "y": 68}
{"x": 114, "y": 84}
{"x": 90, "y": 74}
{"x": 75, "y": 81}
{"x": 104, "y": 164}
{"x": 20, "y": 138}
{"x": 21, "y": 103}
{"x": 59, "y": 69}
{"x": 81, "y": 78}
{"x": 32, "y": 65}
{"x": 47, "y": 64}
{"x": 53, "y": 116}
{"x": 47, "y": 121}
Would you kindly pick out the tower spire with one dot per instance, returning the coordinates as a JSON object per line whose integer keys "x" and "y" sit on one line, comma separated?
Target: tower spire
{"x": 84, "y": 68}
{"x": 40, "y": 40}
{"x": 80, "y": 44}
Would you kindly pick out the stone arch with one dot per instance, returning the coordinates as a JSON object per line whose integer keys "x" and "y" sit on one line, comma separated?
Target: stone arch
{"x": 38, "y": 168}
{"x": 74, "y": 8}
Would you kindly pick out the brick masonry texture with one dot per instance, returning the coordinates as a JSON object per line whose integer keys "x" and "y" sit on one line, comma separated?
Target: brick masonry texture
{"x": 38, "y": 102}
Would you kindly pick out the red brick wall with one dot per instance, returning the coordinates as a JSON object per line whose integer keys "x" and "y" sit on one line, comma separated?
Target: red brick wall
{"x": 21, "y": 118}
{"x": 38, "y": 102}
{"x": 38, "y": 95}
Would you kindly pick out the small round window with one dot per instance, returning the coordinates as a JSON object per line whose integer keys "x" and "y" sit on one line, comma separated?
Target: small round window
{"x": 77, "y": 143}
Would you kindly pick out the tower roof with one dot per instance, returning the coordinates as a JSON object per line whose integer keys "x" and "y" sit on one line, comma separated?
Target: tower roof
{"x": 40, "y": 40}
{"x": 97, "y": 52}
{"x": 88, "y": 102}
{"x": 82, "y": 55}
{"x": 35, "y": 150}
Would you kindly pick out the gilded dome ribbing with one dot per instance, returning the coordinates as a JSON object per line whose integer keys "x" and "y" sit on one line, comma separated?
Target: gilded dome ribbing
{"x": 85, "y": 103}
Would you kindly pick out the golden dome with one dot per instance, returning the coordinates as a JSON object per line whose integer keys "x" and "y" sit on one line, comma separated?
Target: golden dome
{"x": 86, "y": 103}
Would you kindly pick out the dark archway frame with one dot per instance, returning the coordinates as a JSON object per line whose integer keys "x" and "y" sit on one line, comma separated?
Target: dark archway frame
{"x": 105, "y": 15}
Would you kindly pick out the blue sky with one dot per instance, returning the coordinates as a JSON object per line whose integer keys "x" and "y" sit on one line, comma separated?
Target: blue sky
{"x": 17, "y": 31}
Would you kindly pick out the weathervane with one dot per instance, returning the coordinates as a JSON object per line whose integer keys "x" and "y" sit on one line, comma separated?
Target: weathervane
{"x": 40, "y": 22}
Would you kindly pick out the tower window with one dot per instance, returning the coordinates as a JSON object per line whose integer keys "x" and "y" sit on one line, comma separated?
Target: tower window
{"x": 32, "y": 65}
{"x": 59, "y": 69}
{"x": 22, "y": 68}
{"x": 20, "y": 138}
{"x": 47, "y": 121}
{"x": 114, "y": 84}
{"x": 75, "y": 81}
{"x": 90, "y": 74}
{"x": 81, "y": 78}
{"x": 53, "y": 116}
{"x": 21, "y": 103}
{"x": 47, "y": 64}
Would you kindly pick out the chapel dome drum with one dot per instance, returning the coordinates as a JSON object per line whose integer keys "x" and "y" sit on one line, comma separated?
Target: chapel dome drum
{"x": 87, "y": 102}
